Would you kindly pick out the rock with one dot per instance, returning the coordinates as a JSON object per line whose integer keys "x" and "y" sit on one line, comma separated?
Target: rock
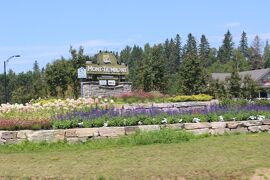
{"x": 131, "y": 129}
{"x": 111, "y": 131}
{"x": 254, "y": 129}
{"x": 190, "y": 126}
{"x": 23, "y": 134}
{"x": 232, "y": 124}
{"x": 251, "y": 123}
{"x": 71, "y": 133}
{"x": 175, "y": 126}
{"x": 266, "y": 122}
{"x": 86, "y": 132}
{"x": 59, "y": 135}
{"x": 239, "y": 130}
{"x": 146, "y": 128}
{"x": 218, "y": 125}
{"x": 8, "y": 134}
{"x": 217, "y": 131}
{"x": 264, "y": 128}
{"x": 42, "y": 135}
{"x": 2, "y": 141}
{"x": 199, "y": 131}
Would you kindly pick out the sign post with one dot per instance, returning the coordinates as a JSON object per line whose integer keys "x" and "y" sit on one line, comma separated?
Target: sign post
{"x": 82, "y": 75}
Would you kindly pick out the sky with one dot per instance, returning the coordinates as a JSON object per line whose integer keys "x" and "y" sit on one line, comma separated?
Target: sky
{"x": 43, "y": 31}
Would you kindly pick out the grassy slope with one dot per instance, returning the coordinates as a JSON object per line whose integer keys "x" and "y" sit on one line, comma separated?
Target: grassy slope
{"x": 229, "y": 157}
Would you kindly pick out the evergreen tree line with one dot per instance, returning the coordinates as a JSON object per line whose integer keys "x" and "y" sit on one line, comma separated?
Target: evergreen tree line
{"x": 171, "y": 67}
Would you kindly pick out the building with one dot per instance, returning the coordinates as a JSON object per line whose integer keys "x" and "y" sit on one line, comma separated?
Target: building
{"x": 261, "y": 76}
{"x": 105, "y": 77}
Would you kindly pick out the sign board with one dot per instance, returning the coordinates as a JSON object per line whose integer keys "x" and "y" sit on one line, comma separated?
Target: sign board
{"x": 103, "y": 82}
{"x": 111, "y": 82}
{"x": 114, "y": 70}
{"x": 81, "y": 73}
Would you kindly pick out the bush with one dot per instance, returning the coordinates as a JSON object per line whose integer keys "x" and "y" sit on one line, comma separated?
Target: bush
{"x": 199, "y": 97}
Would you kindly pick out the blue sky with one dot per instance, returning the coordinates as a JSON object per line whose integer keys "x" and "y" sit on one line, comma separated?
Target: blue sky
{"x": 44, "y": 30}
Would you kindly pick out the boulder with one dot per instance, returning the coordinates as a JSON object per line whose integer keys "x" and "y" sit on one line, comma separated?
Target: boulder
{"x": 239, "y": 130}
{"x": 111, "y": 131}
{"x": 175, "y": 126}
{"x": 8, "y": 135}
{"x": 23, "y": 134}
{"x": 218, "y": 125}
{"x": 42, "y": 135}
{"x": 251, "y": 123}
{"x": 233, "y": 124}
{"x": 264, "y": 128}
{"x": 199, "y": 131}
{"x": 218, "y": 131}
{"x": 86, "y": 132}
{"x": 190, "y": 126}
{"x": 266, "y": 122}
{"x": 131, "y": 129}
{"x": 59, "y": 135}
{"x": 146, "y": 128}
{"x": 254, "y": 129}
{"x": 71, "y": 133}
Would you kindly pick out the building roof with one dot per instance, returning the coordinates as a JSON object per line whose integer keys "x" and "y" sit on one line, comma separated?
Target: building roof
{"x": 255, "y": 74}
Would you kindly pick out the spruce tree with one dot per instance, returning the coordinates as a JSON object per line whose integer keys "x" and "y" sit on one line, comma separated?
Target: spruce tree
{"x": 225, "y": 53}
{"x": 266, "y": 55}
{"x": 204, "y": 51}
{"x": 235, "y": 83}
{"x": 193, "y": 79}
{"x": 243, "y": 45}
{"x": 256, "y": 57}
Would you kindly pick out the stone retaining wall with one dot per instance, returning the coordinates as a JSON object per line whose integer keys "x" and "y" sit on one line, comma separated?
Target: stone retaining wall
{"x": 83, "y": 134}
{"x": 92, "y": 89}
{"x": 176, "y": 107}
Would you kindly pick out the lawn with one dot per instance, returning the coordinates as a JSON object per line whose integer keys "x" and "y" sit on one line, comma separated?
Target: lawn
{"x": 222, "y": 157}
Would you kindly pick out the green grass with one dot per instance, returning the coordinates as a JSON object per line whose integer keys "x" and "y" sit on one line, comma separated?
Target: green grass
{"x": 168, "y": 154}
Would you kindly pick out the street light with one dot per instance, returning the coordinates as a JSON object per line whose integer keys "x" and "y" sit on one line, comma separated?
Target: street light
{"x": 5, "y": 75}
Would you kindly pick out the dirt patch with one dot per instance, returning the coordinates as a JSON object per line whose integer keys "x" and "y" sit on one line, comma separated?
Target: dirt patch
{"x": 261, "y": 174}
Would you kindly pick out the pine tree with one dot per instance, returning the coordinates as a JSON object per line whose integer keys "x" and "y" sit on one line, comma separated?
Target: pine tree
{"x": 256, "y": 57}
{"x": 148, "y": 76}
{"x": 135, "y": 63}
{"x": 225, "y": 53}
{"x": 193, "y": 79}
{"x": 204, "y": 51}
{"x": 125, "y": 54}
{"x": 158, "y": 68}
{"x": 243, "y": 45}
{"x": 266, "y": 55}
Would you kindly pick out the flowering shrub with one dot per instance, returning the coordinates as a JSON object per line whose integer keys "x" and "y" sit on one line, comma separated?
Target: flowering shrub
{"x": 24, "y": 124}
{"x": 199, "y": 97}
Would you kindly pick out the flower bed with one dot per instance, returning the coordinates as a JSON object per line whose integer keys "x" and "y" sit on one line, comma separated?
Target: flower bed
{"x": 100, "y": 112}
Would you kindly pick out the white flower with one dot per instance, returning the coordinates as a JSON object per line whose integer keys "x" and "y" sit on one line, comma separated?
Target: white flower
{"x": 260, "y": 117}
{"x": 140, "y": 123}
{"x": 106, "y": 124}
{"x": 180, "y": 120}
{"x": 196, "y": 120}
{"x": 221, "y": 118}
{"x": 164, "y": 121}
